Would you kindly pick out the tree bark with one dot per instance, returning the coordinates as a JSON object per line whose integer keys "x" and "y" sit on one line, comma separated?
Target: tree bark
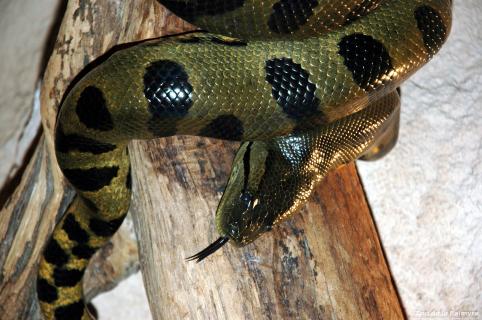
{"x": 325, "y": 262}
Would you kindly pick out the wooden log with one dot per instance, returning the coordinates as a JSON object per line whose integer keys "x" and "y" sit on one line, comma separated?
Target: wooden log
{"x": 29, "y": 213}
{"x": 325, "y": 262}
{"x": 26, "y": 221}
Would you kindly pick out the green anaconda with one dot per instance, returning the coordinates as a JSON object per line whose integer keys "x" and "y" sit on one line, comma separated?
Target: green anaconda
{"x": 307, "y": 85}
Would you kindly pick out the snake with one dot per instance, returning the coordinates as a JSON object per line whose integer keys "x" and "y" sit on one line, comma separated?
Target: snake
{"x": 305, "y": 85}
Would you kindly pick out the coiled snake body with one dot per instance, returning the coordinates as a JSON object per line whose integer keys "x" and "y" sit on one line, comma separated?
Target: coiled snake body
{"x": 308, "y": 85}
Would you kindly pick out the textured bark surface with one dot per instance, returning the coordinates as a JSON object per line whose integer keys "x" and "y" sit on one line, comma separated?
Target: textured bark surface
{"x": 325, "y": 262}
{"x": 29, "y": 213}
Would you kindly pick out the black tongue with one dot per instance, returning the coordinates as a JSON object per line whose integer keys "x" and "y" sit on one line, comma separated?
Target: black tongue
{"x": 213, "y": 247}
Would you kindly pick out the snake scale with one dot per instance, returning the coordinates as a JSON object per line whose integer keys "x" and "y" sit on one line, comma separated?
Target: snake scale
{"x": 307, "y": 85}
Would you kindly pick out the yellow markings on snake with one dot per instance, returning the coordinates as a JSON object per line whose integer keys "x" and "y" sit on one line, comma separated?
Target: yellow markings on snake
{"x": 306, "y": 85}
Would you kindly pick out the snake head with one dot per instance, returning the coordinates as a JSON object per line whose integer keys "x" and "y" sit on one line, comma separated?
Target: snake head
{"x": 241, "y": 216}
{"x": 269, "y": 181}
{"x": 260, "y": 191}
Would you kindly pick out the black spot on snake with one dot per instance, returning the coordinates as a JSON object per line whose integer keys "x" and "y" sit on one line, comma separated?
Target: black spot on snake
{"x": 432, "y": 27}
{"x": 74, "y": 230}
{"x": 360, "y": 10}
{"x": 83, "y": 251}
{"x": 169, "y": 93}
{"x": 66, "y": 277}
{"x": 246, "y": 167}
{"x": 72, "y": 311}
{"x": 91, "y": 205}
{"x": 226, "y": 127}
{"x": 231, "y": 42}
{"x": 366, "y": 58}
{"x": 129, "y": 180}
{"x": 46, "y": 292}
{"x": 92, "y": 110}
{"x": 70, "y": 142}
{"x": 54, "y": 254}
{"x": 91, "y": 179}
{"x": 291, "y": 88}
{"x": 314, "y": 122}
{"x": 191, "y": 10}
{"x": 289, "y": 15}
{"x": 104, "y": 228}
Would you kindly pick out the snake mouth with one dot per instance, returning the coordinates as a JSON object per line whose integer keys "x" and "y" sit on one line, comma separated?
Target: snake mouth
{"x": 213, "y": 247}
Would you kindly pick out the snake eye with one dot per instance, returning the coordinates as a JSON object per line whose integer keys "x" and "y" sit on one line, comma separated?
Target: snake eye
{"x": 246, "y": 198}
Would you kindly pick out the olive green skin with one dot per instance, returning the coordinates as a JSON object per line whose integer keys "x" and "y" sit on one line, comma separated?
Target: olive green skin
{"x": 341, "y": 66}
{"x": 283, "y": 171}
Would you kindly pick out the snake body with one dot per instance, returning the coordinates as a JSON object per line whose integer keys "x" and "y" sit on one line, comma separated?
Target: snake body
{"x": 307, "y": 86}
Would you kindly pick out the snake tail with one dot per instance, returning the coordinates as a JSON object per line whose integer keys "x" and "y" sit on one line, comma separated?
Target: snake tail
{"x": 87, "y": 225}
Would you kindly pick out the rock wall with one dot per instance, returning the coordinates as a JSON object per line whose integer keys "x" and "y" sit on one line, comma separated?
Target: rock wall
{"x": 426, "y": 195}
{"x": 24, "y": 28}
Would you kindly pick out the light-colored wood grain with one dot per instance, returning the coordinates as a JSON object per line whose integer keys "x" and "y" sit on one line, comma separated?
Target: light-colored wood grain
{"x": 326, "y": 262}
